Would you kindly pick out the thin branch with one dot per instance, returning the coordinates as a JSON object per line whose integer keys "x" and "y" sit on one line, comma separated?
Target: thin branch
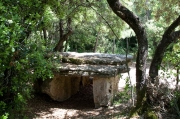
{"x": 80, "y": 5}
{"x": 125, "y": 14}
{"x": 172, "y": 27}
{"x": 84, "y": 5}
{"x": 106, "y": 22}
{"x": 168, "y": 37}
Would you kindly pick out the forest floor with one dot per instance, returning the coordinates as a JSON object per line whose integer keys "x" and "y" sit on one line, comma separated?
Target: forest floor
{"x": 42, "y": 107}
{"x": 80, "y": 106}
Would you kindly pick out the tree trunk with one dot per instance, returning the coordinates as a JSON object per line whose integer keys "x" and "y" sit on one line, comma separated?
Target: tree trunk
{"x": 63, "y": 37}
{"x": 168, "y": 37}
{"x": 177, "y": 77}
{"x": 148, "y": 12}
{"x": 133, "y": 21}
{"x": 113, "y": 49}
{"x": 45, "y": 35}
{"x": 97, "y": 38}
{"x": 96, "y": 43}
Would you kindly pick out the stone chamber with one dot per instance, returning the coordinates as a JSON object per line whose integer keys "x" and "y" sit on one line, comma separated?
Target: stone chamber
{"x": 77, "y": 70}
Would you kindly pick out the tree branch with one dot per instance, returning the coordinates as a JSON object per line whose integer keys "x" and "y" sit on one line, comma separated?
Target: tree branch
{"x": 106, "y": 22}
{"x": 175, "y": 35}
{"x": 129, "y": 17}
{"x": 133, "y": 21}
{"x": 172, "y": 27}
{"x": 168, "y": 37}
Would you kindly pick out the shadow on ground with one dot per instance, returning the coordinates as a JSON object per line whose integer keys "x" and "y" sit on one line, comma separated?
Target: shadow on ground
{"x": 78, "y": 106}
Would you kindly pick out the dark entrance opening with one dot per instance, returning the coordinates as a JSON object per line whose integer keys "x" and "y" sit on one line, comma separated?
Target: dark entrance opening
{"x": 83, "y": 98}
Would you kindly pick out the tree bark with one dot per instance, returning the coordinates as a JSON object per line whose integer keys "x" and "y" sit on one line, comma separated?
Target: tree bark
{"x": 168, "y": 37}
{"x": 148, "y": 13}
{"x": 133, "y": 21}
{"x": 97, "y": 39}
{"x": 113, "y": 48}
{"x": 45, "y": 35}
{"x": 63, "y": 37}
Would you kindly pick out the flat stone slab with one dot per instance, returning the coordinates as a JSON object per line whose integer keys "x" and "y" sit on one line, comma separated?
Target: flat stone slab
{"x": 93, "y": 64}
{"x": 95, "y": 58}
{"x": 92, "y": 70}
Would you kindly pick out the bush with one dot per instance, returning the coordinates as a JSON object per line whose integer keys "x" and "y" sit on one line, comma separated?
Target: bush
{"x": 18, "y": 84}
{"x": 22, "y": 59}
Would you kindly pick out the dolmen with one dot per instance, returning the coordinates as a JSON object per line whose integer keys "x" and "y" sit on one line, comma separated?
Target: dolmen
{"x": 75, "y": 69}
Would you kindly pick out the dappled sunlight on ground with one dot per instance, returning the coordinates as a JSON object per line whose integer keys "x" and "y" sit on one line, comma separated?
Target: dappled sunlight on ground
{"x": 43, "y": 107}
{"x": 78, "y": 106}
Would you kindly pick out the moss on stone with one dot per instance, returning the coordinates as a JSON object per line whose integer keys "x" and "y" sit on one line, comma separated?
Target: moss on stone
{"x": 76, "y": 61}
{"x": 72, "y": 60}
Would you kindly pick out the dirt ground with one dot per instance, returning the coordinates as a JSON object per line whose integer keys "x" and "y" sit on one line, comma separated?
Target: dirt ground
{"x": 80, "y": 106}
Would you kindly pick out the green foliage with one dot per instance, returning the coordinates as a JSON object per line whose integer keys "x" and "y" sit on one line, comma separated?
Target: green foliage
{"x": 49, "y": 17}
{"x": 172, "y": 56}
{"x": 154, "y": 34}
{"x": 22, "y": 59}
{"x": 29, "y": 66}
{"x": 82, "y": 41}
{"x": 169, "y": 11}
{"x": 175, "y": 102}
{"x": 150, "y": 115}
{"x": 93, "y": 23}
{"x": 171, "y": 61}
{"x": 4, "y": 116}
{"x": 157, "y": 16}
{"x": 125, "y": 95}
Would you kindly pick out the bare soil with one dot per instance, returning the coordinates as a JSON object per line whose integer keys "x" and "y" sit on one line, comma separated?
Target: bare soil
{"x": 79, "y": 106}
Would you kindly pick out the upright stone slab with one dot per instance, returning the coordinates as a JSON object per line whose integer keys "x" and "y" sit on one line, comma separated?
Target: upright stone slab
{"x": 104, "y": 89}
{"x": 61, "y": 87}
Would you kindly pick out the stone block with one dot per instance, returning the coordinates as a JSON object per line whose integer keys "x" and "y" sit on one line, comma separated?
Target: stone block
{"x": 61, "y": 87}
{"x": 104, "y": 89}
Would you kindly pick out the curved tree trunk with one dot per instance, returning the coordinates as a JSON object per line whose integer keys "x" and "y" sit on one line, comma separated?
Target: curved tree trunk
{"x": 63, "y": 37}
{"x": 133, "y": 21}
{"x": 168, "y": 37}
